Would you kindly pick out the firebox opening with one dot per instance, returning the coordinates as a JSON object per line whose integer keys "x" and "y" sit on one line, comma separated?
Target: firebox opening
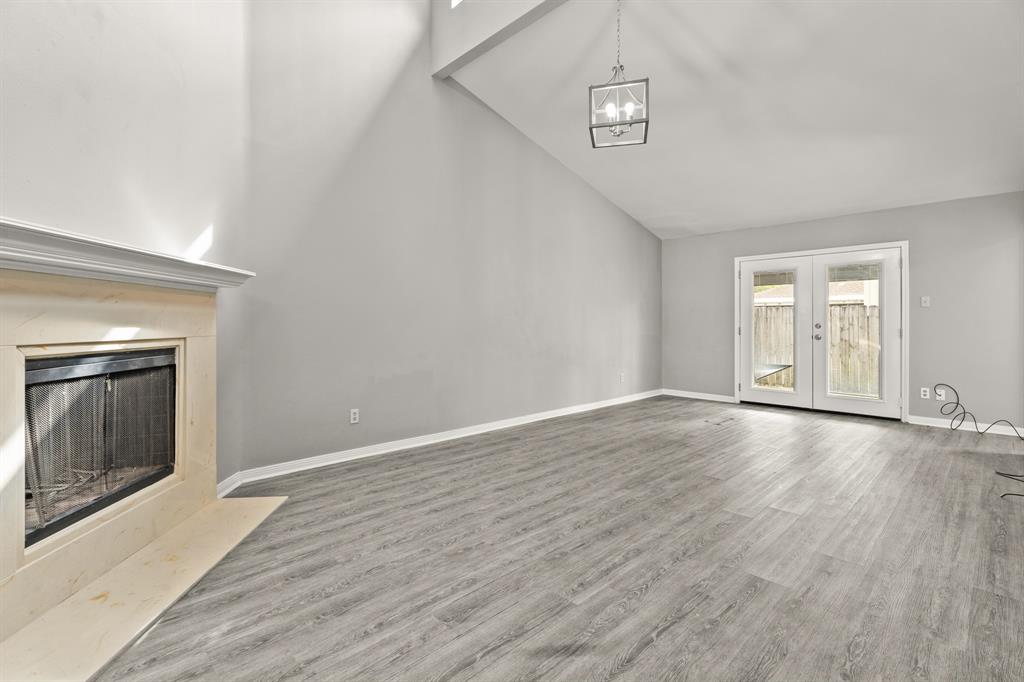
{"x": 99, "y": 427}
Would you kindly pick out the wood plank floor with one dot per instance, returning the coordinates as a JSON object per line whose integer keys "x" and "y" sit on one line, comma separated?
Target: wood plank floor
{"x": 667, "y": 539}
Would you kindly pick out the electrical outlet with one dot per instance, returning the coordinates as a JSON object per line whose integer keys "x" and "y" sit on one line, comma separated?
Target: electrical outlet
{"x": 926, "y": 392}
{"x": 926, "y": 301}
{"x": 622, "y": 377}
{"x": 353, "y": 416}
{"x": 940, "y": 394}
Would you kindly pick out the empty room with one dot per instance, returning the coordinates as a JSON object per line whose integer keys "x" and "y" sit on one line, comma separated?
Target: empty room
{"x": 408, "y": 340}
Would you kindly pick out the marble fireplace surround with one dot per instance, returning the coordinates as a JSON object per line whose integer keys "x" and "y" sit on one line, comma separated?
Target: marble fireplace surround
{"x": 64, "y": 294}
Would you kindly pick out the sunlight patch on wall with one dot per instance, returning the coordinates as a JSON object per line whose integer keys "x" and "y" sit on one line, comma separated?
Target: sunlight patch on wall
{"x": 200, "y": 245}
{"x": 121, "y": 333}
{"x": 10, "y": 466}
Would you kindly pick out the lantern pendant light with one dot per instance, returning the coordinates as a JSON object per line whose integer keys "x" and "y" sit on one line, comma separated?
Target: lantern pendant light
{"x": 619, "y": 108}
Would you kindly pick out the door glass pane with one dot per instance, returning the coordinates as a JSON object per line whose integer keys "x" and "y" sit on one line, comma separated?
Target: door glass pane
{"x": 854, "y": 344}
{"x": 773, "y": 330}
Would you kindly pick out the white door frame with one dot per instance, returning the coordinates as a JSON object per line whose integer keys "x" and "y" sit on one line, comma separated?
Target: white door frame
{"x": 903, "y": 246}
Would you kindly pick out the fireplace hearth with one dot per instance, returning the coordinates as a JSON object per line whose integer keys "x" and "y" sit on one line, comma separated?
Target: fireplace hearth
{"x": 108, "y": 375}
{"x": 99, "y": 427}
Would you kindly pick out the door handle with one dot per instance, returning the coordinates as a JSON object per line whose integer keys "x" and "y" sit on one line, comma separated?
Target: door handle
{"x": 817, "y": 337}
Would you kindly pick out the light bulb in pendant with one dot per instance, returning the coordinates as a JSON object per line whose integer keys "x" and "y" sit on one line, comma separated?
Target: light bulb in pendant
{"x": 611, "y": 112}
{"x": 630, "y": 108}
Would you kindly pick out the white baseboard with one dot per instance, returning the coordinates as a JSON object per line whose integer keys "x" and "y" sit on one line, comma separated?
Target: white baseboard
{"x": 259, "y": 473}
{"x": 230, "y": 483}
{"x": 968, "y": 426}
{"x": 248, "y": 475}
{"x": 699, "y": 396}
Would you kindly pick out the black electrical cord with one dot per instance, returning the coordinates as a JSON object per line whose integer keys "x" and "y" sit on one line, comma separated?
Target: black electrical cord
{"x": 960, "y": 414}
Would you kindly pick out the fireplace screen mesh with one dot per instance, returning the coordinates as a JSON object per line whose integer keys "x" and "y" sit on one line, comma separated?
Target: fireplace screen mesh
{"x": 91, "y": 440}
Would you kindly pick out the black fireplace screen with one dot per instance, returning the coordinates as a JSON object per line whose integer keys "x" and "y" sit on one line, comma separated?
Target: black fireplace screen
{"x": 98, "y": 428}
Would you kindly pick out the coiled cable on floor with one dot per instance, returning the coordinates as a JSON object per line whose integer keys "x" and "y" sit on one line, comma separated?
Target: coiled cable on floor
{"x": 958, "y": 414}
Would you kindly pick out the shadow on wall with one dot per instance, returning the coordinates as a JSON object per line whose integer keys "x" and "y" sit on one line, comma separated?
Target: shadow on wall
{"x": 319, "y": 74}
{"x": 416, "y": 256}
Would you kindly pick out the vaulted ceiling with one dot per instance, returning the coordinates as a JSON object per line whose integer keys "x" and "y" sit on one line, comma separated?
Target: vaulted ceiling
{"x": 769, "y": 112}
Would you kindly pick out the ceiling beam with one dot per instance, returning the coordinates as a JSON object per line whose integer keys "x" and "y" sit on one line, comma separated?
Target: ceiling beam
{"x": 451, "y": 26}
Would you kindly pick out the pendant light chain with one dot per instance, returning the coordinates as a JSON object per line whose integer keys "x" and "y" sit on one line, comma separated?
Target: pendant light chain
{"x": 618, "y": 33}
{"x": 618, "y": 71}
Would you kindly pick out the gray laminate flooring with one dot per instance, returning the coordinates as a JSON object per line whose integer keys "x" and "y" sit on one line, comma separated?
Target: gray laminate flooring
{"x": 666, "y": 539}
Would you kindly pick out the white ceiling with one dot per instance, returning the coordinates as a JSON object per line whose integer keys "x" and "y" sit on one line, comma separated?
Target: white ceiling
{"x": 773, "y": 112}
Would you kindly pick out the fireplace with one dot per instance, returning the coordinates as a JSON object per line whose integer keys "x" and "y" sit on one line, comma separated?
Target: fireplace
{"x": 99, "y": 427}
{"x": 108, "y": 433}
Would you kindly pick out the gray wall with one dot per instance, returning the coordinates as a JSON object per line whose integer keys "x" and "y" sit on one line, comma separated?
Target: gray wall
{"x": 416, "y": 256}
{"x": 967, "y": 255}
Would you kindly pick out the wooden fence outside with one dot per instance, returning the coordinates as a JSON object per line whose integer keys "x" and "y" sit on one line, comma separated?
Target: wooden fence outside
{"x": 854, "y": 346}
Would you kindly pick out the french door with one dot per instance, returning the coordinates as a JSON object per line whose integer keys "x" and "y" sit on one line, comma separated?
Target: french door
{"x": 823, "y": 331}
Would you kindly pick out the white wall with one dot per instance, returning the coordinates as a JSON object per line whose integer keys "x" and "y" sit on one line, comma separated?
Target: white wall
{"x": 128, "y": 121}
{"x": 967, "y": 255}
{"x": 123, "y": 120}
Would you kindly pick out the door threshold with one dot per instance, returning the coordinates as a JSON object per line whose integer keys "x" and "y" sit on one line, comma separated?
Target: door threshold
{"x": 811, "y": 409}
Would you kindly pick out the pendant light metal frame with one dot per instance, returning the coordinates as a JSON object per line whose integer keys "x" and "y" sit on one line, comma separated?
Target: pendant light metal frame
{"x": 618, "y": 84}
{"x": 595, "y": 127}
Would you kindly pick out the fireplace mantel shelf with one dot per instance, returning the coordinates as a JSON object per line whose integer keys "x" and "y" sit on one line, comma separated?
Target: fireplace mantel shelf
{"x": 24, "y": 246}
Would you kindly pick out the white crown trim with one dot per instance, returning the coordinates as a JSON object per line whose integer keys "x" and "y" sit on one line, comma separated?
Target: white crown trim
{"x": 35, "y": 248}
